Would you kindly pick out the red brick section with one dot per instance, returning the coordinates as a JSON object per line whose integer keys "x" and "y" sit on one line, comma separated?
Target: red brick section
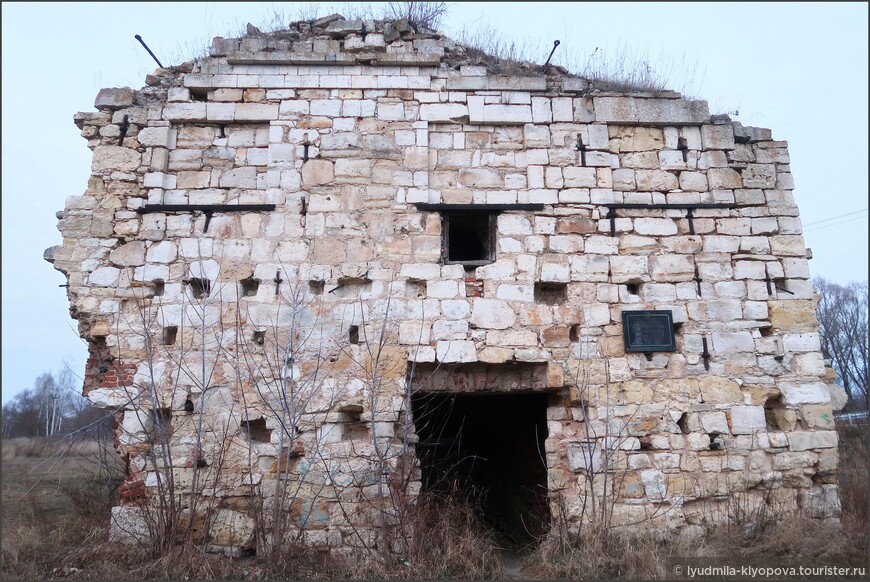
{"x": 473, "y": 287}
{"x": 132, "y": 491}
{"x": 102, "y": 372}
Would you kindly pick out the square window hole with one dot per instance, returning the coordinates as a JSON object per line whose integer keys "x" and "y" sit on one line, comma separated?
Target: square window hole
{"x": 259, "y": 337}
{"x": 249, "y": 286}
{"x": 159, "y": 287}
{"x": 255, "y": 430}
{"x": 316, "y": 287}
{"x": 353, "y": 334}
{"x": 200, "y": 288}
{"x": 169, "y": 335}
{"x": 551, "y": 293}
{"x": 468, "y": 238}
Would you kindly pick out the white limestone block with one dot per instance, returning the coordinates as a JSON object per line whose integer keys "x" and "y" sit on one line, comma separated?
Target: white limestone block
{"x": 492, "y": 314}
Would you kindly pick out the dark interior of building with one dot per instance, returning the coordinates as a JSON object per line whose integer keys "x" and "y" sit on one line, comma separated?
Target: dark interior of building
{"x": 488, "y": 449}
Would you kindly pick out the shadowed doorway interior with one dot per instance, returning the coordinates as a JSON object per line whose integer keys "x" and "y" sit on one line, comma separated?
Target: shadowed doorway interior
{"x": 488, "y": 448}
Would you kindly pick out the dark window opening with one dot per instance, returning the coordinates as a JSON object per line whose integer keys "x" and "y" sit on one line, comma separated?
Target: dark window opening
{"x": 468, "y": 238}
{"x": 249, "y": 286}
{"x": 574, "y": 333}
{"x": 489, "y": 450}
{"x": 159, "y": 286}
{"x": 353, "y": 334}
{"x": 632, "y": 288}
{"x": 255, "y": 430}
{"x": 169, "y": 335}
{"x": 551, "y": 293}
{"x": 316, "y": 287}
{"x": 766, "y": 330}
{"x": 199, "y": 94}
{"x": 200, "y": 288}
{"x": 259, "y": 337}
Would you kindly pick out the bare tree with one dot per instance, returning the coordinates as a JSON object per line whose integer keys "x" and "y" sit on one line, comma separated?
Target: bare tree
{"x": 842, "y": 313}
{"x": 45, "y": 409}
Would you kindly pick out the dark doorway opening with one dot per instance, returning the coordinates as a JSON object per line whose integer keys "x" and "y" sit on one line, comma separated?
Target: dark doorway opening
{"x": 488, "y": 449}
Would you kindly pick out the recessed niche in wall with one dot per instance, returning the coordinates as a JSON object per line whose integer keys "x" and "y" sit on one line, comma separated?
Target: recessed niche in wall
{"x": 159, "y": 287}
{"x": 259, "y": 337}
{"x": 169, "y": 335}
{"x": 551, "y": 293}
{"x": 249, "y": 286}
{"x": 197, "y": 94}
{"x": 199, "y": 288}
{"x": 353, "y": 334}
{"x": 255, "y": 430}
{"x": 316, "y": 287}
{"x": 415, "y": 289}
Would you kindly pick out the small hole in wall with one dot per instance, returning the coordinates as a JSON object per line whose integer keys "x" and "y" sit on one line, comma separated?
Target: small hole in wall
{"x": 415, "y": 289}
{"x": 159, "y": 286}
{"x": 645, "y": 443}
{"x": 316, "y": 287}
{"x": 574, "y": 333}
{"x": 255, "y": 430}
{"x": 353, "y": 334}
{"x": 766, "y": 330}
{"x": 632, "y": 288}
{"x": 259, "y": 337}
{"x": 683, "y": 423}
{"x": 198, "y": 94}
{"x": 169, "y": 335}
{"x": 551, "y": 293}
{"x": 200, "y": 288}
{"x": 715, "y": 444}
{"x": 249, "y": 286}
{"x": 777, "y": 416}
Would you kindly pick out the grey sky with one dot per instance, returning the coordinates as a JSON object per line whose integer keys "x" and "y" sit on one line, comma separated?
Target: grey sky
{"x": 797, "y": 68}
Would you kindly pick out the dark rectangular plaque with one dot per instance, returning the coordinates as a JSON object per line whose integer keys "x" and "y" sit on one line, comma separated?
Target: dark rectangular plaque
{"x": 648, "y": 331}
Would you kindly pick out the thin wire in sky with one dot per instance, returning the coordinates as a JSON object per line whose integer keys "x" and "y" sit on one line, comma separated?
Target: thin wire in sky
{"x": 863, "y": 210}
{"x": 834, "y": 223}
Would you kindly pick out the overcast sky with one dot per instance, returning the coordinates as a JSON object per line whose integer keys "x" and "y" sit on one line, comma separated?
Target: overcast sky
{"x": 797, "y": 68}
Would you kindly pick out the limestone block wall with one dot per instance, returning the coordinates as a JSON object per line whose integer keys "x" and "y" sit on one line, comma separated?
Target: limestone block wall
{"x": 274, "y": 345}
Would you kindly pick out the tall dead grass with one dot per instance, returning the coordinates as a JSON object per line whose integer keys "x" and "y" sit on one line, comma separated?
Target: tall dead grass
{"x": 48, "y": 534}
{"x": 45, "y": 447}
{"x": 759, "y": 536}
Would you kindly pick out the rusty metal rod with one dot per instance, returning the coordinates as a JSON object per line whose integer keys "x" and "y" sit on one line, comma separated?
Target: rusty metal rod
{"x": 555, "y": 44}
{"x": 142, "y": 42}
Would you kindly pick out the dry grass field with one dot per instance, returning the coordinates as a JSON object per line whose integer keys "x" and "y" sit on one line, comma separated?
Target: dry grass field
{"x": 56, "y": 508}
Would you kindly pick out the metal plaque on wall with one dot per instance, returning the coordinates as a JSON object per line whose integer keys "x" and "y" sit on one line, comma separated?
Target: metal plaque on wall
{"x": 648, "y": 331}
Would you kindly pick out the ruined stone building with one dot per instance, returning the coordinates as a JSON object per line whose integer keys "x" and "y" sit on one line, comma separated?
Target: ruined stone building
{"x": 325, "y": 269}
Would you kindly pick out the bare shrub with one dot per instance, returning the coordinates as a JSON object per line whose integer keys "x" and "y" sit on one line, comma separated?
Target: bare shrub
{"x": 428, "y": 14}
